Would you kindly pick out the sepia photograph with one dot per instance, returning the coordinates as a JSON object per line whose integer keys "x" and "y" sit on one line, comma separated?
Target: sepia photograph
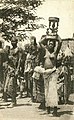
{"x": 36, "y": 59}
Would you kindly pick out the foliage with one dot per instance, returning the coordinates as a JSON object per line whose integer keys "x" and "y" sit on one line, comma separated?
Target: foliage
{"x": 17, "y": 14}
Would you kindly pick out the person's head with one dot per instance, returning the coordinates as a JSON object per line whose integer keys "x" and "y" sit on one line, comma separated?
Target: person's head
{"x": 26, "y": 49}
{"x": 14, "y": 42}
{"x": 33, "y": 40}
{"x": 67, "y": 60}
{"x": 7, "y": 48}
{"x": 51, "y": 44}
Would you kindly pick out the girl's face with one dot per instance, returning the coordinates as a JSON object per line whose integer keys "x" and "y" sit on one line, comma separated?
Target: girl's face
{"x": 50, "y": 44}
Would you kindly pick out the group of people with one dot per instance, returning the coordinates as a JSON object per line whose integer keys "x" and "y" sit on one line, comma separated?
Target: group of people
{"x": 38, "y": 68}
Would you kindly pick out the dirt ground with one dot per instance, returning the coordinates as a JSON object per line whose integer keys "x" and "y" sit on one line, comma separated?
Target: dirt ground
{"x": 27, "y": 110}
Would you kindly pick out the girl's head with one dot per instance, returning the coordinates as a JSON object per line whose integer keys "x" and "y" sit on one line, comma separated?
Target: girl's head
{"x": 51, "y": 44}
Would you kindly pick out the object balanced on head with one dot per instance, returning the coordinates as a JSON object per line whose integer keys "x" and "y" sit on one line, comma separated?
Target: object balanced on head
{"x": 53, "y": 27}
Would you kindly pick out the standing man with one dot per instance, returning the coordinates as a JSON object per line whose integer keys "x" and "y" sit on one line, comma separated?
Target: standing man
{"x": 13, "y": 68}
{"x": 5, "y": 64}
{"x": 34, "y": 54}
{"x": 31, "y": 62}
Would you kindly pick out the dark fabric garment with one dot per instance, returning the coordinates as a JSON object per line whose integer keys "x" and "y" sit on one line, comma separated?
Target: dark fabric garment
{"x": 32, "y": 60}
{"x": 64, "y": 86}
{"x": 67, "y": 83}
{"x": 11, "y": 79}
{"x": 1, "y": 65}
{"x": 1, "y": 75}
{"x": 38, "y": 89}
{"x": 29, "y": 83}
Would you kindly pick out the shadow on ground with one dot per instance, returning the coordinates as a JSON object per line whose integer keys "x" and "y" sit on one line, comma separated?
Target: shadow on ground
{"x": 65, "y": 112}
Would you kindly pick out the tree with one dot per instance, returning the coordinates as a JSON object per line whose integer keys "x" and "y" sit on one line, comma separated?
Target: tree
{"x": 18, "y": 13}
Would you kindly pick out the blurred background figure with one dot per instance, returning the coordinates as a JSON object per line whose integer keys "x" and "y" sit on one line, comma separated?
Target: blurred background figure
{"x": 1, "y": 66}
{"x": 13, "y": 69}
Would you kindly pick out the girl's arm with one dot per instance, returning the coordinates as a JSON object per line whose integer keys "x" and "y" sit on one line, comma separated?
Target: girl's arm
{"x": 58, "y": 45}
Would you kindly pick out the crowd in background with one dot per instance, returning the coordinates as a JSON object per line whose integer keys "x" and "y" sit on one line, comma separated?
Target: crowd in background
{"x": 41, "y": 70}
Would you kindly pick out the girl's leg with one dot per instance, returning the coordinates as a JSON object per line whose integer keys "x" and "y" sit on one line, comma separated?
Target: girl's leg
{"x": 55, "y": 111}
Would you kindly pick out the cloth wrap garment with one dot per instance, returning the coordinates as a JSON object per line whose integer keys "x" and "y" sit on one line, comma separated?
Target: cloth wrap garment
{"x": 38, "y": 84}
{"x": 50, "y": 82}
{"x": 11, "y": 78}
